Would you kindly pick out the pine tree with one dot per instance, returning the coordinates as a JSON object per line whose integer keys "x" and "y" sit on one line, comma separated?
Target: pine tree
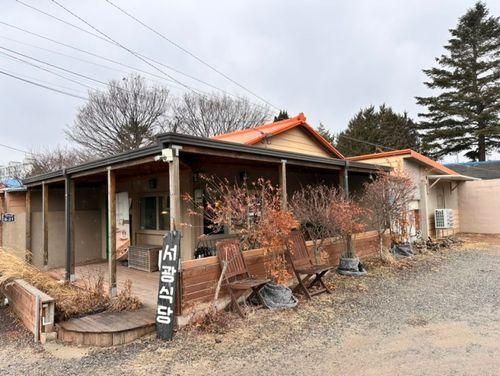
{"x": 327, "y": 134}
{"x": 464, "y": 117}
{"x": 372, "y": 130}
{"x": 282, "y": 115}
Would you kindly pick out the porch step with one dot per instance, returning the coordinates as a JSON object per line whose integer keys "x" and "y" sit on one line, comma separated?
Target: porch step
{"x": 107, "y": 328}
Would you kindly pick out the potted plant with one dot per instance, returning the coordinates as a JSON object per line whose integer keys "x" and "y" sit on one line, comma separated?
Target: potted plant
{"x": 387, "y": 199}
{"x": 347, "y": 216}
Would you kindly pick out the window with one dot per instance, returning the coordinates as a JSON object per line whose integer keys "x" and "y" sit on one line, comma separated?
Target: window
{"x": 154, "y": 213}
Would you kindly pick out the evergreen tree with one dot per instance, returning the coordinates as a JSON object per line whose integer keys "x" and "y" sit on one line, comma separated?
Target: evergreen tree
{"x": 372, "y": 130}
{"x": 283, "y": 115}
{"x": 464, "y": 117}
{"x": 327, "y": 134}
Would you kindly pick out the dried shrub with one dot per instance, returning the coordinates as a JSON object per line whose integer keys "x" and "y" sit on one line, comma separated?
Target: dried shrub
{"x": 387, "y": 199}
{"x": 125, "y": 300}
{"x": 254, "y": 212}
{"x": 311, "y": 205}
{"x": 347, "y": 217}
{"x": 70, "y": 300}
{"x": 326, "y": 212}
{"x": 215, "y": 322}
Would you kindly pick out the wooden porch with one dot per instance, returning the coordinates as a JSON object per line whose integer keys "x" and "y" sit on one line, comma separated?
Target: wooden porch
{"x": 112, "y": 328}
{"x": 144, "y": 284}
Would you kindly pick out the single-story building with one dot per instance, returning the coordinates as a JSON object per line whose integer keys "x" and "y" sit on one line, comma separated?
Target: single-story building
{"x": 436, "y": 189}
{"x": 84, "y": 213}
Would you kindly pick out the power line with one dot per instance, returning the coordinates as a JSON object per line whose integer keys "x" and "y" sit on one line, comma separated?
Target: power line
{"x": 63, "y": 69}
{"x": 39, "y": 80}
{"x": 121, "y": 45}
{"x": 42, "y": 86}
{"x": 47, "y": 70}
{"x": 15, "y": 149}
{"x": 190, "y": 54}
{"x": 61, "y": 20}
{"x": 56, "y": 66}
{"x": 366, "y": 142}
{"x": 114, "y": 61}
{"x": 87, "y": 52}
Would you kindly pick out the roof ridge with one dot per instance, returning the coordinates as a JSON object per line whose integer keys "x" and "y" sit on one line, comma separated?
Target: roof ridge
{"x": 414, "y": 154}
{"x": 299, "y": 118}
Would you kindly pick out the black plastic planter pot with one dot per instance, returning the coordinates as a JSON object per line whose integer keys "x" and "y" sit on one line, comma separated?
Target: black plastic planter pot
{"x": 351, "y": 266}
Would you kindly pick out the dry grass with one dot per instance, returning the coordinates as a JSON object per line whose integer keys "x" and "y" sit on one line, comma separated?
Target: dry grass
{"x": 125, "y": 301}
{"x": 70, "y": 300}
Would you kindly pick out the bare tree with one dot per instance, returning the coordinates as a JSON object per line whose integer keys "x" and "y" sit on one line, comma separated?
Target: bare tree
{"x": 213, "y": 114}
{"x": 54, "y": 159}
{"x": 311, "y": 205}
{"x": 124, "y": 117}
{"x": 387, "y": 199}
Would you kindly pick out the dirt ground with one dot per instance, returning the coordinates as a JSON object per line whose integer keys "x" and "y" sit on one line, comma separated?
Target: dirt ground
{"x": 438, "y": 314}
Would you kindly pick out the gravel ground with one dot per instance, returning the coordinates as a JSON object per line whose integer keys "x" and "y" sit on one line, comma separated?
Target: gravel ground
{"x": 436, "y": 315}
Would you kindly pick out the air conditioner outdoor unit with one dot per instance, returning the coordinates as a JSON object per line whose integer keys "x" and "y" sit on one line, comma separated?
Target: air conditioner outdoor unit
{"x": 443, "y": 218}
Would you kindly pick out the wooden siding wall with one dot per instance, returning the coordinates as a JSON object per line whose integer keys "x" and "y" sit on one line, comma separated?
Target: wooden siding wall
{"x": 295, "y": 140}
{"x": 13, "y": 233}
{"x": 200, "y": 276}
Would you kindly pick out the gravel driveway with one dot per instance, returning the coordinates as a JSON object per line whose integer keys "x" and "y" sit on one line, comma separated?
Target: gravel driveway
{"x": 438, "y": 316}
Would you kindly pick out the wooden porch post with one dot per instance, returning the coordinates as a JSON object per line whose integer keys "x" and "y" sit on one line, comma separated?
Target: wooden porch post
{"x": 69, "y": 208}
{"x": 423, "y": 206}
{"x": 344, "y": 184}
{"x": 28, "y": 255}
{"x": 345, "y": 179}
{"x": 282, "y": 182}
{"x": 45, "y": 220}
{"x": 112, "y": 232}
{"x": 174, "y": 190}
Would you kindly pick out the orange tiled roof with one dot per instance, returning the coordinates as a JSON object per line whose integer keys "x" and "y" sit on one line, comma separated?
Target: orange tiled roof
{"x": 410, "y": 153}
{"x": 252, "y": 136}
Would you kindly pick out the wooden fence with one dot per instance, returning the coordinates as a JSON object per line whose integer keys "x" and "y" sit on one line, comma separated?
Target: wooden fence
{"x": 199, "y": 277}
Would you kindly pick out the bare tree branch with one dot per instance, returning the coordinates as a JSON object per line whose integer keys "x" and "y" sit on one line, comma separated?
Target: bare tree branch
{"x": 125, "y": 117}
{"x": 49, "y": 160}
{"x": 213, "y": 114}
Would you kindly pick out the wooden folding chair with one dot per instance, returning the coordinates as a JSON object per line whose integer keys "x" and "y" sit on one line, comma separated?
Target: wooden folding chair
{"x": 237, "y": 277}
{"x": 304, "y": 266}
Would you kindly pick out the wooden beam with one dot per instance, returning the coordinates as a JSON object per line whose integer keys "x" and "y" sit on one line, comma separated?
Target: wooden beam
{"x": 29, "y": 254}
{"x": 69, "y": 206}
{"x": 112, "y": 232}
{"x": 45, "y": 222}
{"x": 174, "y": 191}
{"x": 424, "y": 215}
{"x": 283, "y": 185}
{"x": 344, "y": 180}
{"x": 228, "y": 154}
{"x": 101, "y": 170}
{"x": 72, "y": 194}
{"x": 433, "y": 184}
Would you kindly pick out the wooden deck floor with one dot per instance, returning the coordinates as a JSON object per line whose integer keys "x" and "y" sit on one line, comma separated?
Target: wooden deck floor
{"x": 112, "y": 328}
{"x": 144, "y": 284}
{"x": 107, "y": 328}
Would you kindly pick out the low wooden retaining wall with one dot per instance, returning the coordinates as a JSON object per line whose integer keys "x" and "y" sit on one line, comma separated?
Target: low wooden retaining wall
{"x": 33, "y": 307}
{"x": 199, "y": 277}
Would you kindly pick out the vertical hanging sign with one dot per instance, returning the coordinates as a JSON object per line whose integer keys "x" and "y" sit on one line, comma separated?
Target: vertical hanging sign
{"x": 168, "y": 264}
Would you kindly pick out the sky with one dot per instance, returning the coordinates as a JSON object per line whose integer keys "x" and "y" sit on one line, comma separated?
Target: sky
{"x": 327, "y": 59}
